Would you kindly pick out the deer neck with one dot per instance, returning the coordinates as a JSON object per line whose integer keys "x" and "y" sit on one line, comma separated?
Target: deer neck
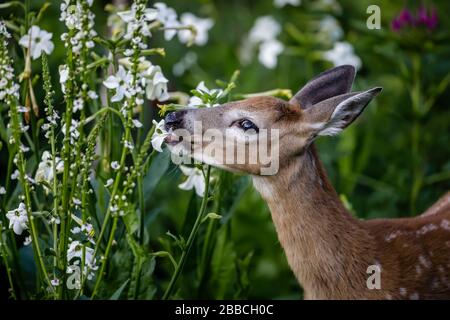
{"x": 326, "y": 247}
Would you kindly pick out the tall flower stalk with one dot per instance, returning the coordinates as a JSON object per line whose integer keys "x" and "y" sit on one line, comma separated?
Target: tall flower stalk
{"x": 11, "y": 97}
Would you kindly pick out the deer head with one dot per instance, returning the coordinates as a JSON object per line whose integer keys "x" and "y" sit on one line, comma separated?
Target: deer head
{"x": 228, "y": 136}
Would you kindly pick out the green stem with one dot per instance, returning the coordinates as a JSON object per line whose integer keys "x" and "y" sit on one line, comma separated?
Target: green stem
{"x": 65, "y": 217}
{"x": 104, "y": 259}
{"x": 6, "y": 262}
{"x": 191, "y": 238}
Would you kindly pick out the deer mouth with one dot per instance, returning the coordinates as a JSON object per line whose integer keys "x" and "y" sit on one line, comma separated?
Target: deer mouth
{"x": 173, "y": 139}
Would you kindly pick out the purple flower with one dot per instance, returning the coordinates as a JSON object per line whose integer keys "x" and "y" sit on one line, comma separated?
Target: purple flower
{"x": 396, "y": 25}
{"x": 422, "y": 18}
{"x": 405, "y": 17}
{"x": 433, "y": 20}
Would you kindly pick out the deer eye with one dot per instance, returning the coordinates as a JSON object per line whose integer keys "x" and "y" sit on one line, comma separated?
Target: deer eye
{"x": 246, "y": 124}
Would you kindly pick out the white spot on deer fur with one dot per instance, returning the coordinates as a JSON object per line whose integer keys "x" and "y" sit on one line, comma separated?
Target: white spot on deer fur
{"x": 418, "y": 269}
{"x": 425, "y": 262}
{"x": 414, "y": 296}
{"x": 388, "y": 297}
{"x": 403, "y": 291}
{"x": 445, "y": 224}
{"x": 393, "y": 235}
{"x": 425, "y": 229}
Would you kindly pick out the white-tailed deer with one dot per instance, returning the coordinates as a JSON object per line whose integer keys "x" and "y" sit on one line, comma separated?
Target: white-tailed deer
{"x": 328, "y": 249}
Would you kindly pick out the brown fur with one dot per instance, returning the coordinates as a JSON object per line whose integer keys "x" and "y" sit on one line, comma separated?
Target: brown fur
{"x": 329, "y": 250}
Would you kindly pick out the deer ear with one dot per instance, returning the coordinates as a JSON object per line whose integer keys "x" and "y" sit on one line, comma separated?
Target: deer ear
{"x": 328, "y": 84}
{"x": 331, "y": 116}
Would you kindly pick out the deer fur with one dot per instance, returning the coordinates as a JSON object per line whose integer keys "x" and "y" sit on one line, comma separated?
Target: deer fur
{"x": 327, "y": 248}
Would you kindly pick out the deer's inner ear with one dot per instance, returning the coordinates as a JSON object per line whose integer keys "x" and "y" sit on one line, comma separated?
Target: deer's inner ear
{"x": 328, "y": 84}
{"x": 331, "y": 116}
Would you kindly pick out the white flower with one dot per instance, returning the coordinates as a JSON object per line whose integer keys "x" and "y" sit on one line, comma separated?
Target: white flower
{"x": 76, "y": 251}
{"x": 268, "y": 53}
{"x": 18, "y": 219}
{"x": 168, "y": 17}
{"x": 137, "y": 123}
{"x": 78, "y": 104}
{"x": 331, "y": 28}
{"x": 195, "y": 102}
{"x": 37, "y": 40}
{"x": 194, "y": 180}
{"x": 201, "y": 88}
{"x": 202, "y": 27}
{"x": 109, "y": 183}
{"x": 156, "y": 84}
{"x": 184, "y": 64}
{"x": 3, "y": 30}
{"x": 55, "y": 220}
{"x": 27, "y": 241}
{"x": 15, "y": 174}
{"x": 263, "y": 33}
{"x": 73, "y": 130}
{"x": 159, "y": 135}
{"x": 142, "y": 25}
{"x": 76, "y": 230}
{"x": 282, "y": 3}
{"x": 342, "y": 53}
{"x": 115, "y": 165}
{"x": 121, "y": 83}
{"x": 127, "y": 144}
{"x": 76, "y": 201}
{"x": 2, "y": 190}
{"x": 266, "y": 28}
{"x": 63, "y": 76}
{"x": 44, "y": 171}
{"x": 92, "y": 94}
{"x": 129, "y": 16}
{"x": 55, "y": 282}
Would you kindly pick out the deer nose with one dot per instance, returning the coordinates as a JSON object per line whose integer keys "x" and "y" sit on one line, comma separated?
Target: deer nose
{"x": 174, "y": 120}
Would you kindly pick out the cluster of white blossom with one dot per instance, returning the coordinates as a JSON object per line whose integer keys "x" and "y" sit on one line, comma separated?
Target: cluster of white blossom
{"x": 18, "y": 219}
{"x": 342, "y": 53}
{"x": 8, "y": 87}
{"x": 79, "y": 19}
{"x": 137, "y": 76}
{"x": 265, "y": 30}
{"x": 263, "y": 35}
{"x": 205, "y": 97}
{"x": 9, "y": 95}
{"x": 80, "y": 22}
{"x": 78, "y": 252}
{"x": 45, "y": 171}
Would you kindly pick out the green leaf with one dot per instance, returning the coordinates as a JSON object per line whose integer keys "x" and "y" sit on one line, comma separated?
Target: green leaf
{"x": 116, "y": 295}
{"x": 223, "y": 271}
{"x": 158, "y": 167}
{"x": 12, "y": 4}
{"x": 131, "y": 221}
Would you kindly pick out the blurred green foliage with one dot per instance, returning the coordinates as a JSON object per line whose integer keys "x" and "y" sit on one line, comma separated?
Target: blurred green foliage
{"x": 393, "y": 162}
